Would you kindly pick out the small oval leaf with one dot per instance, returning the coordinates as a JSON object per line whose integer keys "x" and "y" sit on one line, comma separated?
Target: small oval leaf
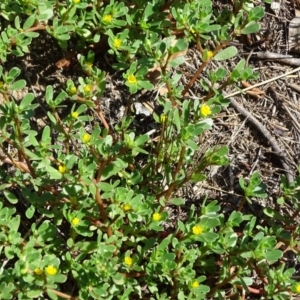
{"x": 273, "y": 255}
{"x": 10, "y": 197}
{"x": 226, "y": 53}
{"x": 177, "y": 201}
{"x": 251, "y": 27}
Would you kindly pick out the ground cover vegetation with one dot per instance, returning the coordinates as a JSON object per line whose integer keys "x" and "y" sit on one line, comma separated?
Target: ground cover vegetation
{"x": 85, "y": 210}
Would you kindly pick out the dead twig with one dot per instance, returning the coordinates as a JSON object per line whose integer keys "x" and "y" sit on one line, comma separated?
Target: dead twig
{"x": 253, "y": 92}
{"x": 264, "y": 82}
{"x": 271, "y": 56}
{"x": 294, "y": 86}
{"x": 266, "y": 134}
{"x": 260, "y": 127}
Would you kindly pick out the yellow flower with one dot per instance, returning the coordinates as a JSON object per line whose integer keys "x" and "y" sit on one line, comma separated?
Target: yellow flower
{"x": 210, "y": 54}
{"x": 86, "y": 138}
{"x": 197, "y": 229}
{"x": 195, "y": 284}
{"x": 156, "y": 216}
{"x": 76, "y": 1}
{"x": 75, "y": 221}
{"x": 126, "y": 207}
{"x": 50, "y": 270}
{"x": 74, "y": 114}
{"x": 163, "y": 118}
{"x": 205, "y": 110}
{"x": 38, "y": 271}
{"x": 117, "y": 43}
{"x": 73, "y": 200}
{"x": 73, "y": 90}
{"x": 62, "y": 169}
{"x": 88, "y": 65}
{"x": 87, "y": 88}
{"x": 132, "y": 79}
{"x": 128, "y": 261}
{"x": 297, "y": 288}
{"x": 108, "y": 18}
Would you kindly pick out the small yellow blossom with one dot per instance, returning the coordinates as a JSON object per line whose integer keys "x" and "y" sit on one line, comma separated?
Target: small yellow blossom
{"x": 51, "y": 270}
{"x": 297, "y": 288}
{"x": 38, "y": 271}
{"x": 195, "y": 284}
{"x": 87, "y": 88}
{"x": 156, "y": 216}
{"x": 76, "y": 1}
{"x": 73, "y": 90}
{"x": 73, "y": 200}
{"x": 86, "y": 138}
{"x": 132, "y": 79}
{"x": 197, "y": 229}
{"x": 126, "y": 207}
{"x": 163, "y": 118}
{"x": 108, "y": 18}
{"x": 74, "y": 114}
{"x": 205, "y": 110}
{"x": 88, "y": 65}
{"x": 62, "y": 169}
{"x": 210, "y": 54}
{"x": 117, "y": 43}
{"x": 128, "y": 261}
{"x": 75, "y": 221}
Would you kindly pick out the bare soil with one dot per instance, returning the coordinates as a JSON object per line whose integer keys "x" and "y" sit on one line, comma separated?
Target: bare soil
{"x": 277, "y": 108}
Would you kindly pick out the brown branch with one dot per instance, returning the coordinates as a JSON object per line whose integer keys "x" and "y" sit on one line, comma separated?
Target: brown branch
{"x": 37, "y": 28}
{"x": 20, "y": 165}
{"x": 62, "y": 295}
{"x": 201, "y": 68}
{"x": 102, "y": 212}
{"x": 198, "y": 72}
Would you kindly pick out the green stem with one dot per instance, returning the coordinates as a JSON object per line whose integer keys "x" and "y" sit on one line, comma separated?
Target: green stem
{"x": 163, "y": 67}
{"x": 218, "y": 286}
{"x": 21, "y": 151}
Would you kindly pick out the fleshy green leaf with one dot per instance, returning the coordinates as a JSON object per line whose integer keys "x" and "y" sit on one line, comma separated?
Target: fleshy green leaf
{"x": 273, "y": 255}
{"x": 29, "y": 22}
{"x": 30, "y": 211}
{"x": 226, "y": 53}
{"x": 26, "y": 101}
{"x": 10, "y": 197}
{"x": 177, "y": 201}
{"x": 18, "y": 85}
{"x": 251, "y": 27}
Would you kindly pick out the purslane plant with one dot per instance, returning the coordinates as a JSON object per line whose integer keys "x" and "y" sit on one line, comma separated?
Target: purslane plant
{"x": 85, "y": 205}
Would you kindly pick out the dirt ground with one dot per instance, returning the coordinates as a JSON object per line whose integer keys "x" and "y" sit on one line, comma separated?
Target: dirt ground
{"x": 276, "y": 105}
